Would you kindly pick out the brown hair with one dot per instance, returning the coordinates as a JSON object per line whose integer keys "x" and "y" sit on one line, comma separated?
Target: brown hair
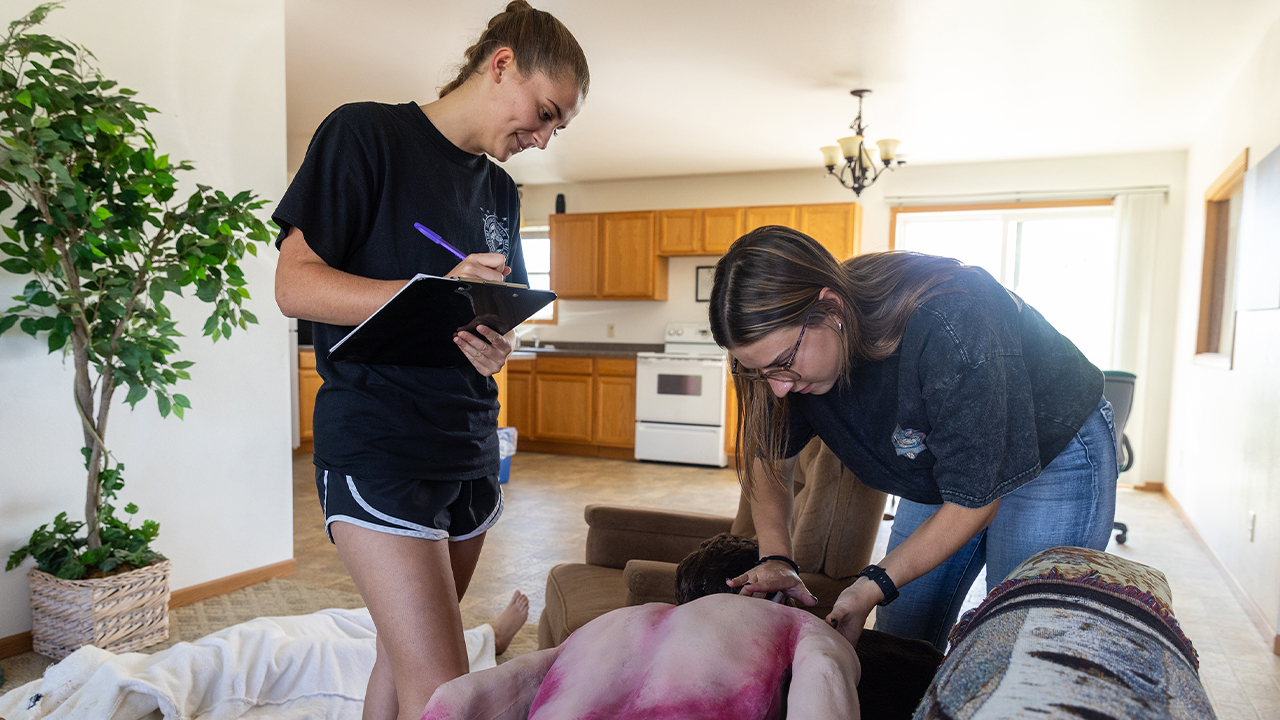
{"x": 540, "y": 42}
{"x": 771, "y": 279}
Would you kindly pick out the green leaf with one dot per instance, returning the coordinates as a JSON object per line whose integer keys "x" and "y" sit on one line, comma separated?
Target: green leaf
{"x": 105, "y": 126}
{"x": 56, "y": 341}
{"x": 24, "y": 97}
{"x": 7, "y": 322}
{"x": 17, "y": 266}
{"x": 182, "y": 365}
{"x": 163, "y": 402}
{"x": 136, "y": 393}
{"x": 181, "y": 401}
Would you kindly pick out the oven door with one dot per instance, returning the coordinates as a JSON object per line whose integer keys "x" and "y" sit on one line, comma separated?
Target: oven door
{"x": 680, "y": 389}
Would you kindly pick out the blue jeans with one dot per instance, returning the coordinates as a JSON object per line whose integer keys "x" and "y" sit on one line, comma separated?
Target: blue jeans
{"x": 1072, "y": 502}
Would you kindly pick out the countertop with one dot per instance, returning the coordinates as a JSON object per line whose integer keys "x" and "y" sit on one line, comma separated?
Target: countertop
{"x": 588, "y": 349}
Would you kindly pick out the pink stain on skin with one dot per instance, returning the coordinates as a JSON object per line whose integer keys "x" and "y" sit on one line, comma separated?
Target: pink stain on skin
{"x": 722, "y": 659}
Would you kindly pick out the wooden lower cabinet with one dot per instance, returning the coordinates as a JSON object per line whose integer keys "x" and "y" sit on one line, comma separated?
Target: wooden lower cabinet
{"x": 562, "y": 406}
{"x": 309, "y": 382}
{"x": 615, "y": 412}
{"x": 573, "y": 405}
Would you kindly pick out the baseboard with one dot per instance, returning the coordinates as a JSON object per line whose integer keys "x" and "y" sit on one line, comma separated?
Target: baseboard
{"x": 577, "y": 449}
{"x": 15, "y": 645}
{"x": 1250, "y": 607}
{"x": 231, "y": 583}
{"x": 21, "y": 643}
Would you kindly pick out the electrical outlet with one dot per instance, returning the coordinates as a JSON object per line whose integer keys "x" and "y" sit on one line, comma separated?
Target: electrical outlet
{"x": 608, "y": 332}
{"x": 1253, "y": 524}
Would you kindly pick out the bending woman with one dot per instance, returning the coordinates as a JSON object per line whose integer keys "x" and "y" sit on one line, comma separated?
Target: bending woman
{"x": 929, "y": 381}
{"x": 407, "y": 458}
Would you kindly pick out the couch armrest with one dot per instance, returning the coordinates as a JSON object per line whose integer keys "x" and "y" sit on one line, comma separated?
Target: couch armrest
{"x": 618, "y": 534}
{"x": 650, "y": 581}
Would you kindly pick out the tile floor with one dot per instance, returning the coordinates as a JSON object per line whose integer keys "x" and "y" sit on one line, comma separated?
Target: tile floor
{"x": 543, "y": 526}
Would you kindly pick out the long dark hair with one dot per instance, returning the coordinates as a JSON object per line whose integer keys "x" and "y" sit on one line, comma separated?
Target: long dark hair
{"x": 540, "y": 42}
{"x": 771, "y": 278}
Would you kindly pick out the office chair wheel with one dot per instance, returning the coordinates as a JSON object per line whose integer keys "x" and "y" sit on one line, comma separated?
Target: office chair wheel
{"x": 1122, "y": 534}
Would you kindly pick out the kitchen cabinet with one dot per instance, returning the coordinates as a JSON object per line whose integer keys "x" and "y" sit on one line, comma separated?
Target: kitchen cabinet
{"x": 575, "y": 255}
{"x": 309, "y": 382}
{"x": 679, "y": 232}
{"x": 607, "y": 256}
{"x": 838, "y": 226}
{"x": 573, "y": 405}
{"x": 518, "y": 403}
{"x": 710, "y": 231}
{"x": 614, "y": 416}
{"x": 770, "y": 215}
{"x": 720, "y": 227}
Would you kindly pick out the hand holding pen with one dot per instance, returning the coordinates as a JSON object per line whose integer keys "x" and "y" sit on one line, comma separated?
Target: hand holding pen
{"x": 481, "y": 266}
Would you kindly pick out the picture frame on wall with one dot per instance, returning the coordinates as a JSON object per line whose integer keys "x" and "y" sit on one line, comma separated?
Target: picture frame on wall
{"x": 705, "y": 274}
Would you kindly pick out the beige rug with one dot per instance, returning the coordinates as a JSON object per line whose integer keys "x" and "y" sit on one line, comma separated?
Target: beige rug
{"x": 271, "y": 598}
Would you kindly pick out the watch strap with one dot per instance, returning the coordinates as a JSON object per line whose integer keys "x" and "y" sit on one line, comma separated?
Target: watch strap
{"x": 877, "y": 575}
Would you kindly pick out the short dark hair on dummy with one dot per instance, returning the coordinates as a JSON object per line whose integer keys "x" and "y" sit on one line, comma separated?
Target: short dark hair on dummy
{"x": 717, "y": 559}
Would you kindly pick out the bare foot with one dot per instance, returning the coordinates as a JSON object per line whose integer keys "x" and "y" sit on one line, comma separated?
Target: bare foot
{"x": 510, "y": 621}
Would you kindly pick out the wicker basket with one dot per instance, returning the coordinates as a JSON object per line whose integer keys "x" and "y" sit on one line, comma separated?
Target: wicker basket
{"x": 120, "y": 613}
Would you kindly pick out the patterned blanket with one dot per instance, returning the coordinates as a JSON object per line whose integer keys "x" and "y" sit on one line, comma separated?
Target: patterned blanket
{"x": 1071, "y": 633}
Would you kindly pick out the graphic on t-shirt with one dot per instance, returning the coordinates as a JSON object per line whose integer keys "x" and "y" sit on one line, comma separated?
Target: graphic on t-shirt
{"x": 495, "y": 233}
{"x": 908, "y": 442}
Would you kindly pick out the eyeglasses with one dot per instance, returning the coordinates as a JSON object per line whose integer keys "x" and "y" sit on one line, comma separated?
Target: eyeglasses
{"x": 782, "y": 373}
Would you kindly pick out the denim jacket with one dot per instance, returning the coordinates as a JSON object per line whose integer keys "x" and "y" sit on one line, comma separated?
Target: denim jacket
{"x": 980, "y": 395}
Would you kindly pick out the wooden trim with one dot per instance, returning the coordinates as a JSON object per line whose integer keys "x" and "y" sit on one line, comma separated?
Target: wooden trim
{"x": 21, "y": 643}
{"x": 554, "y": 447}
{"x": 15, "y": 644}
{"x": 1213, "y": 270}
{"x": 231, "y": 583}
{"x": 1230, "y": 179}
{"x": 978, "y": 207}
{"x": 1250, "y": 608}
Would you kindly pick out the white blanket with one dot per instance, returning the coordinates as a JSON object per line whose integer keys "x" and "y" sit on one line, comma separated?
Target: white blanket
{"x": 272, "y": 668}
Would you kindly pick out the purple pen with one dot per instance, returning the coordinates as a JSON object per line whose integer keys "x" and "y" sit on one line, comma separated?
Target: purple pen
{"x": 435, "y": 238}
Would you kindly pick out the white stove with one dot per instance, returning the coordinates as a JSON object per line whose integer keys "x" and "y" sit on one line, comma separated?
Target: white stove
{"x": 680, "y": 399}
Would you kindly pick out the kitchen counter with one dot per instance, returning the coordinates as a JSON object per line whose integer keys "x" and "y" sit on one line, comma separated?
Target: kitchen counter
{"x": 588, "y": 349}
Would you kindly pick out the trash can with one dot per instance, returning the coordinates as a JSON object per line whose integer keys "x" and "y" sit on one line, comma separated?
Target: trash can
{"x": 506, "y": 448}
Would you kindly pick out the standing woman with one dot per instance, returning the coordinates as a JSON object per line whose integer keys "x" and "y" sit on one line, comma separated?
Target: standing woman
{"x": 407, "y": 458}
{"x": 929, "y": 381}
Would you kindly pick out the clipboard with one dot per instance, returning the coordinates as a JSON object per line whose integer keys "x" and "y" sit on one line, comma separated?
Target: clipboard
{"x": 416, "y": 326}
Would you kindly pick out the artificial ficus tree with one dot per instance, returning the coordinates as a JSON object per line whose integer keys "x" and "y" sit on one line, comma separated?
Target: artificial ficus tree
{"x": 92, "y": 215}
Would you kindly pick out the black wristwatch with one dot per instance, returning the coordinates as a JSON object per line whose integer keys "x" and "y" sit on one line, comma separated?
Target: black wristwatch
{"x": 877, "y": 575}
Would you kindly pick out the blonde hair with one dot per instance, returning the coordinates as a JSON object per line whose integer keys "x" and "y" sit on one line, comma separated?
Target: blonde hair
{"x": 771, "y": 278}
{"x": 539, "y": 41}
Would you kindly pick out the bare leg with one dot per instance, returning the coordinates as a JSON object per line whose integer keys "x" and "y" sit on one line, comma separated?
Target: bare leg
{"x": 408, "y": 584}
{"x": 380, "y": 697}
{"x": 463, "y": 556}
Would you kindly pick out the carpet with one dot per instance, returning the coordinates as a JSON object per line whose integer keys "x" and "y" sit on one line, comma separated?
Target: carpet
{"x": 271, "y": 598}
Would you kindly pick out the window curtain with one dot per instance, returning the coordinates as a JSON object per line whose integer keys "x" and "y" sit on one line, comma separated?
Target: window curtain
{"x": 1137, "y": 307}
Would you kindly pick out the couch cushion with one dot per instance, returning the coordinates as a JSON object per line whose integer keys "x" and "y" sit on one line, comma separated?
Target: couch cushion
{"x": 576, "y": 595}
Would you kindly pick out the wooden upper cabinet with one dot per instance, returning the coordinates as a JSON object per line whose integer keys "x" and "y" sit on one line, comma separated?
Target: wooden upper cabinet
{"x": 770, "y": 215}
{"x": 838, "y": 226}
{"x": 679, "y": 232}
{"x": 629, "y": 263}
{"x": 720, "y": 227}
{"x": 575, "y": 255}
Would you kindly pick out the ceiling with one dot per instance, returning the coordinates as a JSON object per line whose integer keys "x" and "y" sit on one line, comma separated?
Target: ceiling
{"x": 682, "y": 87}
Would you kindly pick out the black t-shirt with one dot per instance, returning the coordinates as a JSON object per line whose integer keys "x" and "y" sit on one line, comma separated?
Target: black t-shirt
{"x": 981, "y": 394}
{"x": 371, "y": 172}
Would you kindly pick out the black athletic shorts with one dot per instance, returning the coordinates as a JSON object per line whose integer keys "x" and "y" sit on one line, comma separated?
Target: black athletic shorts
{"x": 430, "y": 509}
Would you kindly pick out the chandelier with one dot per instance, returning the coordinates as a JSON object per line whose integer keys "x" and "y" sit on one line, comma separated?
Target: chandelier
{"x": 859, "y": 162}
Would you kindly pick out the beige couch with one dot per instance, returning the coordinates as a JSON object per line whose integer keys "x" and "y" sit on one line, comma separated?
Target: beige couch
{"x": 632, "y": 552}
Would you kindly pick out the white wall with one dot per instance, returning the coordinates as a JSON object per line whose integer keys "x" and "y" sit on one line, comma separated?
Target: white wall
{"x": 641, "y": 321}
{"x": 218, "y": 482}
{"x": 1224, "y": 450}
